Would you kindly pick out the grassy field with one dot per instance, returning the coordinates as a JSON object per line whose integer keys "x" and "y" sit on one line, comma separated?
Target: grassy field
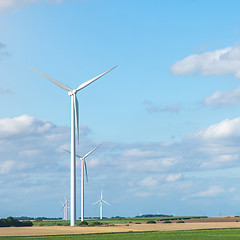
{"x": 221, "y": 234}
{"x": 108, "y": 221}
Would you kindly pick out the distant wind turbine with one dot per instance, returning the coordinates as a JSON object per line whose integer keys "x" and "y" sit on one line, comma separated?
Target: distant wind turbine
{"x": 74, "y": 116}
{"x": 65, "y": 209}
{"x": 84, "y": 169}
{"x": 101, "y": 201}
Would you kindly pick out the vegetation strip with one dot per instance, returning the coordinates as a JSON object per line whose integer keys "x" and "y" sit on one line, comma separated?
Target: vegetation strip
{"x": 112, "y": 221}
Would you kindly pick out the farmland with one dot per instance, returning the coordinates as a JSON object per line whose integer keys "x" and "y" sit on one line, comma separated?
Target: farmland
{"x": 113, "y": 228}
{"x": 222, "y": 234}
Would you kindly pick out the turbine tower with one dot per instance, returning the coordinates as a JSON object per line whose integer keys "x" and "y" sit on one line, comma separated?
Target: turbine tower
{"x": 74, "y": 117}
{"x": 101, "y": 201}
{"x": 84, "y": 169}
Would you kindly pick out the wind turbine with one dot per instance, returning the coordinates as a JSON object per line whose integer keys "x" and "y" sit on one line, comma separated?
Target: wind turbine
{"x": 101, "y": 201}
{"x": 65, "y": 209}
{"x": 84, "y": 168}
{"x": 74, "y": 116}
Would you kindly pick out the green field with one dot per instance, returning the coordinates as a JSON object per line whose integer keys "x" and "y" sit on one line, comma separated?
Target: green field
{"x": 110, "y": 221}
{"x": 220, "y": 234}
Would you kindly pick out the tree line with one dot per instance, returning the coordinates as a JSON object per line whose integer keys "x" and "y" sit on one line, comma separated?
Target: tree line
{"x": 13, "y": 222}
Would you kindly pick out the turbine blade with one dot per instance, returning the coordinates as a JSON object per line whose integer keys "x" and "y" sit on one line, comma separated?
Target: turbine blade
{"x": 77, "y": 155}
{"x": 106, "y": 202}
{"x": 92, "y": 150}
{"x": 83, "y": 85}
{"x": 66, "y": 150}
{"x": 63, "y": 206}
{"x": 101, "y": 194}
{"x": 85, "y": 168}
{"x": 61, "y": 85}
{"x": 96, "y": 202}
{"x": 76, "y": 115}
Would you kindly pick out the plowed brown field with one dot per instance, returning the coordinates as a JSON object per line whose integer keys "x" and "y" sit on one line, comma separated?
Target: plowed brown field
{"x": 191, "y": 224}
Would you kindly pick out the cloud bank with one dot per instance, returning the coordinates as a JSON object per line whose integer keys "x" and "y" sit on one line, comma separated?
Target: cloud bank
{"x": 220, "y": 62}
{"x": 33, "y": 167}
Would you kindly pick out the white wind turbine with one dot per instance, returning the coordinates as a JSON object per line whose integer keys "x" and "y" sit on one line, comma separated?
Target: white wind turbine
{"x": 84, "y": 168}
{"x": 74, "y": 116}
{"x": 101, "y": 201}
{"x": 65, "y": 209}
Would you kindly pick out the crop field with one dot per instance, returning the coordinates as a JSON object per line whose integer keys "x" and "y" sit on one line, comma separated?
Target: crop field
{"x": 147, "y": 228}
{"x": 217, "y": 234}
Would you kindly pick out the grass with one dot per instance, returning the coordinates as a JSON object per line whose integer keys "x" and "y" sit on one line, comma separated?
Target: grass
{"x": 110, "y": 221}
{"x": 216, "y": 234}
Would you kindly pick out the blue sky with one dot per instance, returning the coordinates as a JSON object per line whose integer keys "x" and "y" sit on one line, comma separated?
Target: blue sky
{"x": 167, "y": 116}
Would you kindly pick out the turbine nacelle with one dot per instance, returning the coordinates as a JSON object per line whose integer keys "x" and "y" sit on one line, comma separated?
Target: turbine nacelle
{"x": 83, "y": 159}
{"x": 72, "y": 92}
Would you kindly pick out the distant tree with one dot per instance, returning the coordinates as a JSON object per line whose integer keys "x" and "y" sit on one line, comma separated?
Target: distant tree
{"x": 96, "y": 224}
{"x": 83, "y": 223}
{"x": 151, "y": 221}
{"x": 27, "y": 223}
{"x": 4, "y": 223}
{"x": 13, "y": 222}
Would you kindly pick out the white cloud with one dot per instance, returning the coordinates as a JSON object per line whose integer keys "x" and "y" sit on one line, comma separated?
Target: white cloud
{"x": 55, "y": 1}
{"x": 225, "y": 129}
{"x": 232, "y": 189}
{"x": 211, "y": 192}
{"x": 143, "y": 159}
{"x": 84, "y": 130}
{"x": 173, "y": 177}
{"x": 30, "y": 153}
{"x": 215, "y": 147}
{"x": 13, "y": 5}
{"x": 219, "y": 98}
{"x": 139, "y": 153}
{"x": 143, "y": 194}
{"x": 32, "y": 162}
{"x": 149, "y": 182}
{"x": 169, "y": 161}
{"x": 28, "y": 141}
{"x": 151, "y": 108}
{"x": 22, "y": 125}
{"x": 6, "y": 167}
{"x": 93, "y": 162}
{"x": 220, "y": 62}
